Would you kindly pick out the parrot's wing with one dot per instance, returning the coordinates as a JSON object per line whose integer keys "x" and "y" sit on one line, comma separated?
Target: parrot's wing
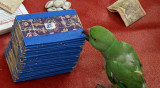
{"x": 131, "y": 50}
{"x": 114, "y": 80}
{"x": 125, "y": 70}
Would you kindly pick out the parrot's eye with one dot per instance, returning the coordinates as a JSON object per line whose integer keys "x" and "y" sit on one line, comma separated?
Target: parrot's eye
{"x": 94, "y": 39}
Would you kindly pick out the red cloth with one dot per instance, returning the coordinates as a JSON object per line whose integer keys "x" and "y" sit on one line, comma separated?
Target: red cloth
{"x": 144, "y": 36}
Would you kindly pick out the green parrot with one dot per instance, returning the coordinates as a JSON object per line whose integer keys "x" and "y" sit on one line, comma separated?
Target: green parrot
{"x": 122, "y": 64}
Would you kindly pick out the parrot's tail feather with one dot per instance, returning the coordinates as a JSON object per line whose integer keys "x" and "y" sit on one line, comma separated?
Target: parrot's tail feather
{"x": 101, "y": 86}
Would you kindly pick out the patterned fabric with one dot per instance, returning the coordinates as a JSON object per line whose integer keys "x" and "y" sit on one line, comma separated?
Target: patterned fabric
{"x": 51, "y": 25}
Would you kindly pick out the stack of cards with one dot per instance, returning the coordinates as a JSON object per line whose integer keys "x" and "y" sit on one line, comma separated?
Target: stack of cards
{"x": 44, "y": 44}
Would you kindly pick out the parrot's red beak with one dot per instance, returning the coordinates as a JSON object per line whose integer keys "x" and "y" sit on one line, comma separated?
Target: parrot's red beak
{"x": 87, "y": 34}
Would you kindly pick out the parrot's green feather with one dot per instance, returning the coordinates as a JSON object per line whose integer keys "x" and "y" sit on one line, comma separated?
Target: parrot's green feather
{"x": 122, "y": 63}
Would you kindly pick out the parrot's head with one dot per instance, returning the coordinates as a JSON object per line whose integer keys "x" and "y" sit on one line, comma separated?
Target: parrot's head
{"x": 100, "y": 38}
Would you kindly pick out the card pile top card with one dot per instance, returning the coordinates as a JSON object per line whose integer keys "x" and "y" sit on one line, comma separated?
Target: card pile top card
{"x": 44, "y": 44}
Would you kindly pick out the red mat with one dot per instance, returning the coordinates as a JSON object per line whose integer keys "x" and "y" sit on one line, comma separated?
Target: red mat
{"x": 144, "y": 36}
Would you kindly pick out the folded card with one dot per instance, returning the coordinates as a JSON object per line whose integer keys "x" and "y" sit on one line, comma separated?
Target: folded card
{"x": 10, "y": 5}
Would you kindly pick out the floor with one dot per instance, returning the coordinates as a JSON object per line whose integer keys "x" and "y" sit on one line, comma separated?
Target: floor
{"x": 144, "y": 36}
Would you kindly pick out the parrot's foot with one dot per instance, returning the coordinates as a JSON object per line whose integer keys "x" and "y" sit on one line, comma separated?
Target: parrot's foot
{"x": 115, "y": 86}
{"x": 101, "y": 86}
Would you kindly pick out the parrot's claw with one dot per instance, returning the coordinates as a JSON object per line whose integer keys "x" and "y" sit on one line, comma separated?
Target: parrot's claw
{"x": 115, "y": 86}
{"x": 101, "y": 86}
